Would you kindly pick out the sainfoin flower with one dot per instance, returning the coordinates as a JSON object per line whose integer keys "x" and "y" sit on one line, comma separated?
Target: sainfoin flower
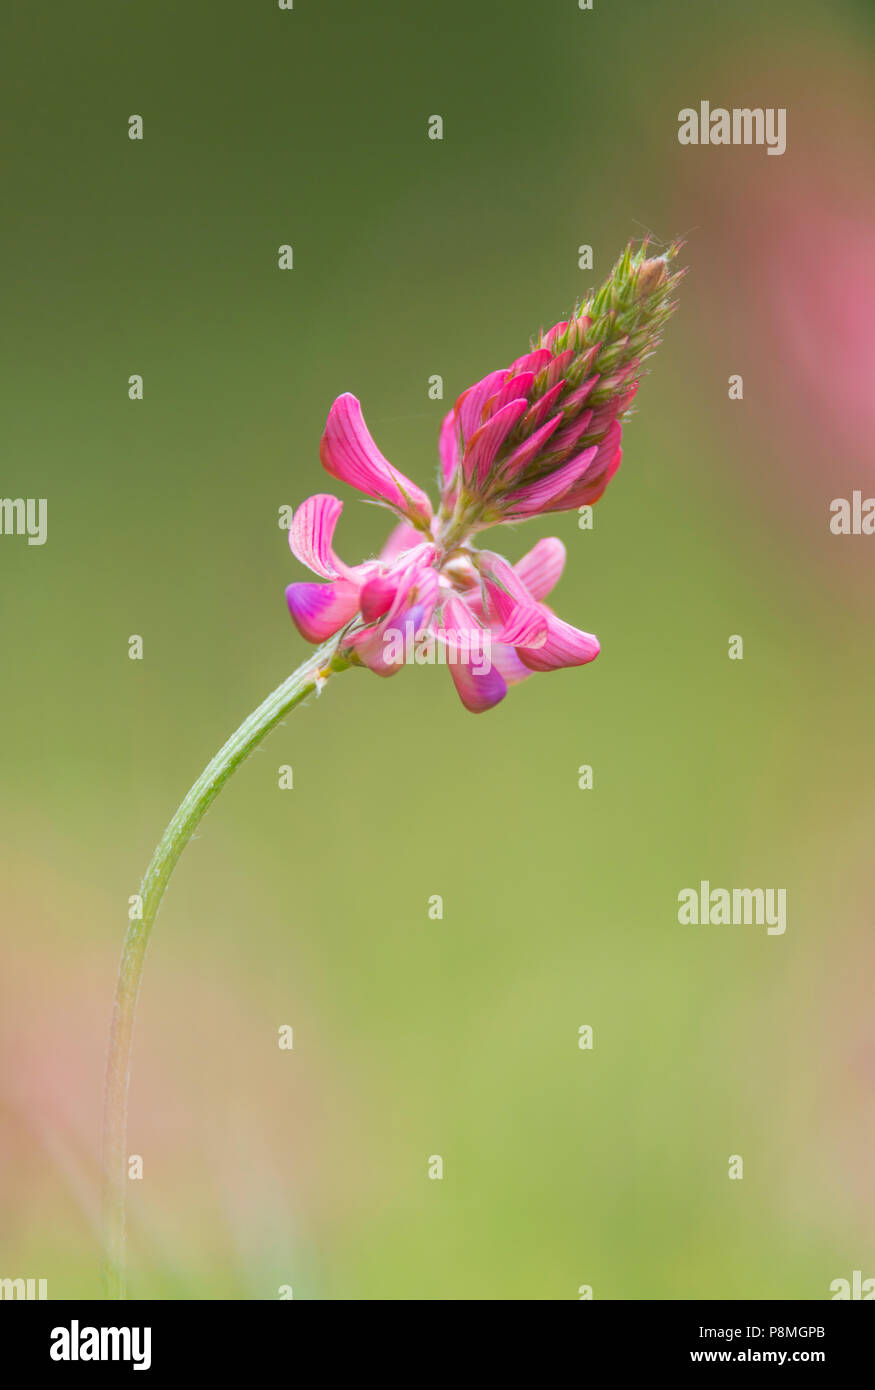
{"x": 542, "y": 435}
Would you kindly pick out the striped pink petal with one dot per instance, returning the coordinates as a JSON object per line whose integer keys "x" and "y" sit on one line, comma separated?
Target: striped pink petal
{"x": 312, "y": 532}
{"x": 580, "y": 393}
{"x": 556, "y": 369}
{"x": 485, "y": 443}
{"x": 591, "y": 489}
{"x": 540, "y": 569}
{"x": 606, "y": 414}
{"x": 469, "y": 406}
{"x": 592, "y": 484}
{"x": 566, "y": 439}
{"x": 523, "y": 621}
{"x": 542, "y": 407}
{"x": 417, "y": 584}
{"x": 565, "y": 646}
{"x": 532, "y": 361}
{"x": 537, "y": 497}
{"x": 348, "y": 452}
{"x": 448, "y": 446}
{"x": 553, "y": 333}
{"x": 526, "y": 626}
{"x": 529, "y": 449}
{"x": 513, "y": 390}
{"x": 319, "y": 610}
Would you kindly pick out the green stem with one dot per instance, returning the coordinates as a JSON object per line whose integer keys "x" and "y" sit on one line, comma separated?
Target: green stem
{"x": 308, "y": 677}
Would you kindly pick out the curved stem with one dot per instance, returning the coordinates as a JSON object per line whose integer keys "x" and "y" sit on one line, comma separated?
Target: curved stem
{"x": 308, "y": 677}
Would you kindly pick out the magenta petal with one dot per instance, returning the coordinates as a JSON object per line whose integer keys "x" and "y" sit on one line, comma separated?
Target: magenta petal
{"x": 541, "y": 409}
{"x": 348, "y": 452}
{"x": 318, "y": 610}
{"x": 448, "y": 446}
{"x": 590, "y": 489}
{"x": 526, "y": 626}
{"x": 523, "y": 621}
{"x": 513, "y": 390}
{"x": 529, "y": 449}
{"x": 565, "y": 646}
{"x": 370, "y": 647}
{"x": 503, "y": 577}
{"x": 613, "y": 409}
{"x": 580, "y": 394}
{"x": 567, "y": 439}
{"x": 532, "y": 361}
{"x": 311, "y": 534}
{"x": 478, "y": 690}
{"x": 376, "y": 597}
{"x": 553, "y": 333}
{"x": 469, "y": 406}
{"x": 418, "y": 584}
{"x": 556, "y": 369}
{"x": 541, "y": 567}
{"x": 479, "y": 683}
{"x": 485, "y": 443}
{"x": 528, "y": 501}
{"x": 597, "y": 476}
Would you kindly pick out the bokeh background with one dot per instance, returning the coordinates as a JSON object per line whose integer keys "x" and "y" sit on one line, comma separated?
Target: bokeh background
{"x": 309, "y": 907}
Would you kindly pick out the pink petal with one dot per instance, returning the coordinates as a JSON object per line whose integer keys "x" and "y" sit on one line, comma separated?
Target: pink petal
{"x": 370, "y": 647}
{"x": 565, "y": 646}
{"x": 469, "y": 406}
{"x": 513, "y": 390}
{"x": 606, "y": 414}
{"x": 532, "y": 361}
{"x": 374, "y": 645}
{"x": 580, "y": 393}
{"x": 549, "y": 338}
{"x": 529, "y": 449}
{"x": 537, "y": 497}
{"x": 542, "y": 407}
{"x": 556, "y": 369}
{"x": 523, "y": 620}
{"x": 541, "y": 568}
{"x": 566, "y": 439}
{"x": 478, "y": 681}
{"x": 591, "y": 489}
{"x": 597, "y": 476}
{"x": 348, "y": 452}
{"x": 416, "y": 584}
{"x": 485, "y": 443}
{"x": 478, "y": 690}
{"x": 318, "y": 610}
{"x": 448, "y": 446}
{"x": 311, "y": 534}
{"x": 526, "y": 626}
{"x": 376, "y": 596}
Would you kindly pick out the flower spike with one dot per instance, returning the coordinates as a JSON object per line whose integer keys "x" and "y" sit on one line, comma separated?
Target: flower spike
{"x": 542, "y": 435}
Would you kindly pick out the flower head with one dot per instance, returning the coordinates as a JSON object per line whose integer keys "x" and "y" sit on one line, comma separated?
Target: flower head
{"x": 542, "y": 435}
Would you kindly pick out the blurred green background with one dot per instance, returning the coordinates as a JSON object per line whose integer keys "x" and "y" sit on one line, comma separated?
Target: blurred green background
{"x": 309, "y": 907}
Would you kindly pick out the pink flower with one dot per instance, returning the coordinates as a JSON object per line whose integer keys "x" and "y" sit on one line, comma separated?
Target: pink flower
{"x": 470, "y": 610}
{"x": 541, "y": 435}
